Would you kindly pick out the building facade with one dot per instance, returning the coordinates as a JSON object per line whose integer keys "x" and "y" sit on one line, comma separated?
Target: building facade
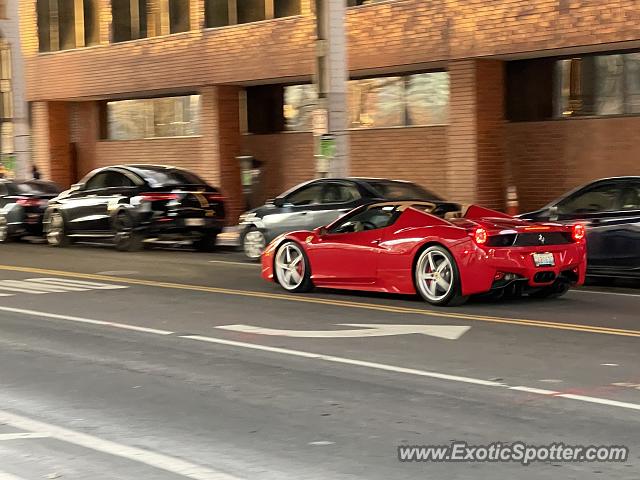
{"x": 465, "y": 97}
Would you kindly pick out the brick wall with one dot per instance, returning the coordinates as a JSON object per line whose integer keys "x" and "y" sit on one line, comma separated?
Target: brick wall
{"x": 389, "y": 34}
{"x": 549, "y": 158}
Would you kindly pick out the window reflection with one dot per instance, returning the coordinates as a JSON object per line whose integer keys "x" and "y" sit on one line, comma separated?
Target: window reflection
{"x": 154, "y": 117}
{"x": 420, "y": 99}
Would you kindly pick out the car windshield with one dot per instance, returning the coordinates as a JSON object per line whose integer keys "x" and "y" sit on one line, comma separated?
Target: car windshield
{"x": 34, "y": 188}
{"x": 165, "y": 177}
{"x": 393, "y": 190}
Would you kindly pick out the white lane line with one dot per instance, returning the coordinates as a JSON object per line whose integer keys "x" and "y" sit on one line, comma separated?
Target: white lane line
{"x": 244, "y": 264}
{"x": 334, "y": 359}
{"x": 21, "y": 436}
{"x": 9, "y": 476}
{"x": 152, "y": 459}
{"x": 412, "y": 371}
{"x": 599, "y": 292}
{"x": 85, "y": 320}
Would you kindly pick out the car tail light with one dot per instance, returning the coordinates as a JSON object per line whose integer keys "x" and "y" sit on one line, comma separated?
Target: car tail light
{"x": 480, "y": 236}
{"x": 214, "y": 197}
{"x": 578, "y": 232}
{"x": 158, "y": 197}
{"x": 29, "y": 202}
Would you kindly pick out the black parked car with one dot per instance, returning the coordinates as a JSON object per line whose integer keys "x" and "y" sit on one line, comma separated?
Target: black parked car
{"x": 22, "y": 205}
{"x": 320, "y": 202}
{"x": 610, "y": 209}
{"x": 133, "y": 203}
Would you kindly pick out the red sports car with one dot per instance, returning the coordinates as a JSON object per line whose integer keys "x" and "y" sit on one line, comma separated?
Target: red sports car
{"x": 400, "y": 247}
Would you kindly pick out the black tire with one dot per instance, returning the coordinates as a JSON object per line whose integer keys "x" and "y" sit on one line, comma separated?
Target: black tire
{"x": 305, "y": 284}
{"x": 6, "y": 235}
{"x": 450, "y": 297}
{"x": 125, "y": 236}
{"x": 57, "y": 231}
{"x": 207, "y": 243}
{"x": 251, "y": 243}
{"x": 552, "y": 291}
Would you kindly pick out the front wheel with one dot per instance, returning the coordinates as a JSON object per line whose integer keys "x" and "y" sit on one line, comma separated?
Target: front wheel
{"x": 253, "y": 243}
{"x": 437, "y": 278}
{"x": 56, "y": 232}
{"x": 5, "y": 231}
{"x": 292, "y": 268}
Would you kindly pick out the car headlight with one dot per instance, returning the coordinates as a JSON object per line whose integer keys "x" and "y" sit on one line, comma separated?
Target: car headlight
{"x": 246, "y": 217}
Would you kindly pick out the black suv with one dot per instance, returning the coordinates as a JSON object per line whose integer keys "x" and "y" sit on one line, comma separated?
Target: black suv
{"x": 131, "y": 204}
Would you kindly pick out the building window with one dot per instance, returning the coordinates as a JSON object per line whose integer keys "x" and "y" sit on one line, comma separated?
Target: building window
{"x": 219, "y": 13}
{"x": 7, "y": 158}
{"x": 153, "y": 118}
{"x": 399, "y": 101}
{"x": 129, "y": 20}
{"x": 356, "y": 3}
{"x": 91, "y": 22}
{"x": 598, "y": 85}
{"x": 44, "y": 25}
{"x": 178, "y": 16}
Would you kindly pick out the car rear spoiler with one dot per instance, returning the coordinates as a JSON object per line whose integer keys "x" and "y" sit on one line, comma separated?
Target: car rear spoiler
{"x": 474, "y": 212}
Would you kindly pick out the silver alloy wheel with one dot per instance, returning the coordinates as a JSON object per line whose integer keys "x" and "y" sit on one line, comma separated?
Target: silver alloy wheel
{"x": 4, "y": 229}
{"x": 290, "y": 266}
{"x": 253, "y": 244}
{"x": 434, "y": 273}
{"x": 55, "y": 230}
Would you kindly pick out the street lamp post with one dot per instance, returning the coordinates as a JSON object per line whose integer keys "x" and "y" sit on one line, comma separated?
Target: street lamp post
{"x": 330, "y": 116}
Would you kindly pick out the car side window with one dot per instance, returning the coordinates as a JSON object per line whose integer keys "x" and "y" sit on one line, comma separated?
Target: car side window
{"x": 3, "y": 190}
{"x": 117, "y": 179}
{"x": 367, "y": 219}
{"x": 601, "y": 198}
{"x": 630, "y": 197}
{"x": 340, "y": 193}
{"x": 308, "y": 195}
{"x": 99, "y": 180}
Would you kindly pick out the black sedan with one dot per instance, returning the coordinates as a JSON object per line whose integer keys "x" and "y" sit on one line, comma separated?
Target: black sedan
{"x": 22, "y": 205}
{"x": 610, "y": 209}
{"x": 131, "y": 204}
{"x": 320, "y": 202}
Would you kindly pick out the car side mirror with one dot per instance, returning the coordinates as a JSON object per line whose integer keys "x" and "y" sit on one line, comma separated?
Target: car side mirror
{"x": 279, "y": 202}
{"x": 76, "y": 186}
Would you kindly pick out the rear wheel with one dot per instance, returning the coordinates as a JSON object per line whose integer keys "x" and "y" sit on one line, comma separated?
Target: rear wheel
{"x": 437, "y": 278}
{"x": 126, "y": 238}
{"x": 56, "y": 232}
{"x": 5, "y": 231}
{"x": 292, "y": 268}
{"x": 253, "y": 243}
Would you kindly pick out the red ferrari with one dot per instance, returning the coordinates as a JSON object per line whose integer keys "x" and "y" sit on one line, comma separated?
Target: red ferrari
{"x": 401, "y": 247}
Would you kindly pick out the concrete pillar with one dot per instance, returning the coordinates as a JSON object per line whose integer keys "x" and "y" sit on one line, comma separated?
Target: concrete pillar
{"x": 476, "y": 142}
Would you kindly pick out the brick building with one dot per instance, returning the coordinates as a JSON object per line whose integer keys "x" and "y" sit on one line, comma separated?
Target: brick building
{"x": 462, "y": 96}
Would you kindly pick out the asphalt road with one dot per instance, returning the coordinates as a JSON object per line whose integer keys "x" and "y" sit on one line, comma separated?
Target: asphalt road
{"x": 114, "y": 366}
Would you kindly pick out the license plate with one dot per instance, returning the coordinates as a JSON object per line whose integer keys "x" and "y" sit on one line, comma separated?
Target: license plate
{"x": 543, "y": 259}
{"x": 194, "y": 222}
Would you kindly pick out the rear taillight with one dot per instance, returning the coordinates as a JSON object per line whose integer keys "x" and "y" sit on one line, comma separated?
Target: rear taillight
{"x": 29, "y": 202}
{"x": 214, "y": 197}
{"x": 578, "y": 233}
{"x": 158, "y": 197}
{"x": 480, "y": 236}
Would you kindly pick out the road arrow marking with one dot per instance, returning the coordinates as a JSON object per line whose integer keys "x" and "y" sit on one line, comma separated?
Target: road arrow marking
{"x": 450, "y": 332}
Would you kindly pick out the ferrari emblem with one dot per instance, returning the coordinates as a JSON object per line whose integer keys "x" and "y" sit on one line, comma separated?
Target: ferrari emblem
{"x": 541, "y": 239}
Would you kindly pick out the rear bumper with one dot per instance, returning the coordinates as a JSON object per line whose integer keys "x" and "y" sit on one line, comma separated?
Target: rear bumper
{"x": 482, "y": 269}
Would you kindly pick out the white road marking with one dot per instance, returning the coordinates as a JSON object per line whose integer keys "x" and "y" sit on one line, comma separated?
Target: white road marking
{"x": 229, "y": 262}
{"x": 7, "y": 295}
{"x": 21, "y": 436}
{"x": 333, "y": 359}
{"x": 67, "y": 283}
{"x": 609, "y": 365}
{"x": 411, "y": 371}
{"x": 153, "y": 459}
{"x": 41, "y": 286}
{"x": 9, "y": 476}
{"x": 450, "y": 332}
{"x": 85, "y": 320}
{"x": 600, "y": 292}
